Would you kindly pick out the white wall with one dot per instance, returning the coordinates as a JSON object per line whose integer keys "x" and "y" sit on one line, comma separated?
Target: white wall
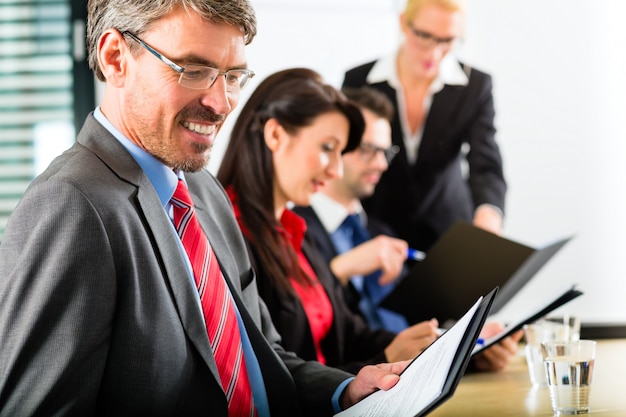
{"x": 559, "y": 69}
{"x": 326, "y": 35}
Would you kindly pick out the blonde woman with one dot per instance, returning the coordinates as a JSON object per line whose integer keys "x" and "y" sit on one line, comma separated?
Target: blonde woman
{"x": 444, "y": 119}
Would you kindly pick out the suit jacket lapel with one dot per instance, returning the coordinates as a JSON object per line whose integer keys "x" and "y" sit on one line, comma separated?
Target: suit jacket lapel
{"x": 440, "y": 119}
{"x": 218, "y": 242}
{"x": 279, "y": 385}
{"x": 184, "y": 292}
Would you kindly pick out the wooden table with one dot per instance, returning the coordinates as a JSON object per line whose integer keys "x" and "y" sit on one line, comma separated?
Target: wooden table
{"x": 510, "y": 393}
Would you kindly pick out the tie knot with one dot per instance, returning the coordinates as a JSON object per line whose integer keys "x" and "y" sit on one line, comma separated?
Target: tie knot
{"x": 355, "y": 228}
{"x": 353, "y": 220}
{"x": 182, "y": 194}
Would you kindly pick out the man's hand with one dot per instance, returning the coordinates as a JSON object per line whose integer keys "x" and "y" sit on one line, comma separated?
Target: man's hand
{"x": 383, "y": 253}
{"x": 372, "y": 378}
{"x": 497, "y": 357}
{"x": 411, "y": 341}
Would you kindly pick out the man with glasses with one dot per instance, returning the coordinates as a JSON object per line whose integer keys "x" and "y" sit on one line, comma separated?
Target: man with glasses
{"x": 123, "y": 261}
{"x": 449, "y": 166}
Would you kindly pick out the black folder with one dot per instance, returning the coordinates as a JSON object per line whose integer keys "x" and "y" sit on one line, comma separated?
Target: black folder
{"x": 563, "y": 298}
{"x": 463, "y": 264}
{"x": 445, "y": 358}
{"x": 464, "y": 352}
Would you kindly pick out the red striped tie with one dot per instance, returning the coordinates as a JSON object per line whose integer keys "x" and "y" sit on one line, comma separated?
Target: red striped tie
{"x": 217, "y": 304}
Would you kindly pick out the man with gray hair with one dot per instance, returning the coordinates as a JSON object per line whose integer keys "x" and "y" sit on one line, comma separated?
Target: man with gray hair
{"x": 125, "y": 284}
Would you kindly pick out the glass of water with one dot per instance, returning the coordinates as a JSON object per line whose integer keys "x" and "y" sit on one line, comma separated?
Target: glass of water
{"x": 546, "y": 330}
{"x": 569, "y": 369}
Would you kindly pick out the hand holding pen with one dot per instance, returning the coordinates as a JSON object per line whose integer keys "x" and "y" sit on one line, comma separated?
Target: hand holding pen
{"x": 415, "y": 255}
{"x": 381, "y": 253}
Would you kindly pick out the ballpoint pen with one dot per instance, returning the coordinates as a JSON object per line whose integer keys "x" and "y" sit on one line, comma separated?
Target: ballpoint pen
{"x": 416, "y": 255}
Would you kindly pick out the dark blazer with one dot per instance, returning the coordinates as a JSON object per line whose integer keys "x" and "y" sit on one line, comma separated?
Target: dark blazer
{"x": 350, "y": 343}
{"x": 98, "y": 315}
{"x": 326, "y": 248}
{"x": 421, "y": 201}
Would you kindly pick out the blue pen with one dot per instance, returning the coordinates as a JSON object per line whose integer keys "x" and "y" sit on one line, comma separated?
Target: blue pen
{"x": 416, "y": 255}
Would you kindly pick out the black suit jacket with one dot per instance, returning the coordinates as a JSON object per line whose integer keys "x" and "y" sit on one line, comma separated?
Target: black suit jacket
{"x": 98, "y": 316}
{"x": 421, "y": 201}
{"x": 324, "y": 244}
{"x": 350, "y": 343}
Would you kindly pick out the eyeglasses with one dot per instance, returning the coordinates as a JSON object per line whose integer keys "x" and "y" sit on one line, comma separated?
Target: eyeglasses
{"x": 427, "y": 40}
{"x": 200, "y": 77}
{"x": 368, "y": 152}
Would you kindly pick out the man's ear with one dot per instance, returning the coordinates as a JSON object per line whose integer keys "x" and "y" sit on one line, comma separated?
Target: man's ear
{"x": 273, "y": 134}
{"x": 112, "y": 54}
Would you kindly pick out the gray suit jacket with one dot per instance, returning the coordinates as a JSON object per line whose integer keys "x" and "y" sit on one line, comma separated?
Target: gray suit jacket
{"x": 97, "y": 313}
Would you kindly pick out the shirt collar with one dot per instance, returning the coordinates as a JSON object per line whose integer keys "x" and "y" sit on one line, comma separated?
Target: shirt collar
{"x": 163, "y": 179}
{"x": 330, "y": 212}
{"x": 294, "y": 228}
{"x": 450, "y": 73}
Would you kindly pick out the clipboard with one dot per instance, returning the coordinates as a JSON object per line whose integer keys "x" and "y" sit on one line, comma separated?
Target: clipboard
{"x": 439, "y": 367}
{"x": 463, "y": 264}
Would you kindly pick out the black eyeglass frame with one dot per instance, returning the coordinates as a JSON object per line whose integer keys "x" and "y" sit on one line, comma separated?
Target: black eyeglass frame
{"x": 430, "y": 39}
{"x": 368, "y": 152}
{"x": 247, "y": 73}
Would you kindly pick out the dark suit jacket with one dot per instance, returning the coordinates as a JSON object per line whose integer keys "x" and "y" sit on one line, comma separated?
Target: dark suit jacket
{"x": 98, "y": 315}
{"x": 324, "y": 244}
{"x": 350, "y": 343}
{"x": 421, "y": 201}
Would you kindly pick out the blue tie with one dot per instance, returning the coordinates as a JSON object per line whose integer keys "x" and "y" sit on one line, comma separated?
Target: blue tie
{"x": 370, "y": 290}
{"x": 355, "y": 228}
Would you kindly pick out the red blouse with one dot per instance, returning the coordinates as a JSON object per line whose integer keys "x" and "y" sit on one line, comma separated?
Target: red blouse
{"x": 315, "y": 301}
{"x": 313, "y": 297}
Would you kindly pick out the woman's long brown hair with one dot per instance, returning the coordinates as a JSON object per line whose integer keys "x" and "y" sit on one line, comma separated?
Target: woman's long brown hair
{"x": 293, "y": 97}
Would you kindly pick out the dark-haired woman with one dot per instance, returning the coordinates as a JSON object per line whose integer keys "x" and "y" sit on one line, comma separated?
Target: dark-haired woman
{"x": 287, "y": 141}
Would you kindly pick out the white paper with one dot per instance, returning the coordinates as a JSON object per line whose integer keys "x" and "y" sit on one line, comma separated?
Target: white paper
{"x": 422, "y": 381}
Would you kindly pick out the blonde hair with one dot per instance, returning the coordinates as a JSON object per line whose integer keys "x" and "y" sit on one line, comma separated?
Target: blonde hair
{"x": 413, "y": 7}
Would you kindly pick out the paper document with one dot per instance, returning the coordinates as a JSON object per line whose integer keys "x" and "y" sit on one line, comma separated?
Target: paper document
{"x": 422, "y": 382}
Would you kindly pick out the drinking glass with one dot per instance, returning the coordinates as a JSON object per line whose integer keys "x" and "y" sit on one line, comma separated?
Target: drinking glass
{"x": 551, "y": 329}
{"x": 569, "y": 370}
